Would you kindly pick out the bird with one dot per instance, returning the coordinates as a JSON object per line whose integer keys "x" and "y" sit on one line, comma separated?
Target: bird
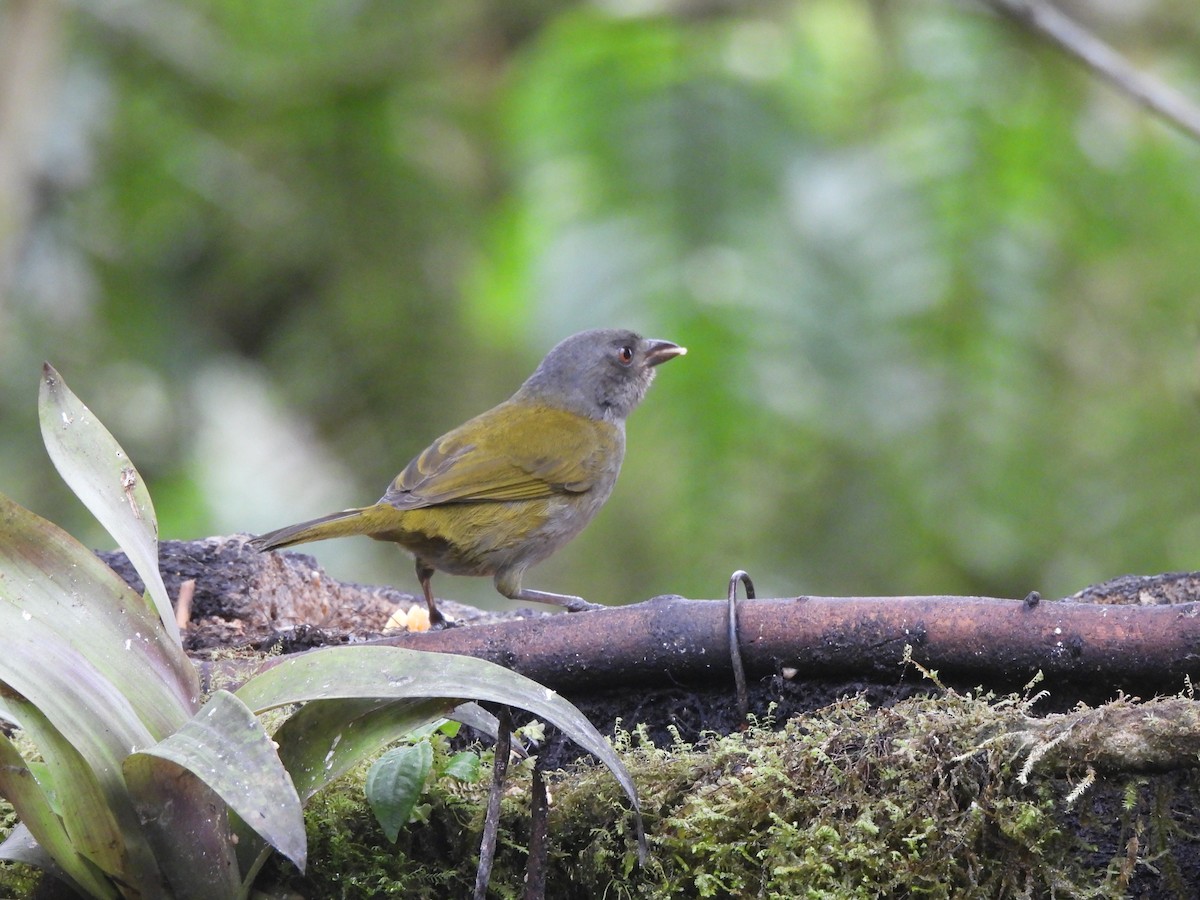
{"x": 506, "y": 489}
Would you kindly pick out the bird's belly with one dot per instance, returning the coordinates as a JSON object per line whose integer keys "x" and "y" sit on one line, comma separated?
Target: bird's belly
{"x": 484, "y": 538}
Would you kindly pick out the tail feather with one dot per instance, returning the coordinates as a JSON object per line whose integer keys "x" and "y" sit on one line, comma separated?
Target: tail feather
{"x": 338, "y": 524}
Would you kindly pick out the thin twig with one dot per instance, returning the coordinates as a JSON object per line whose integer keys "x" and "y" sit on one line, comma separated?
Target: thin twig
{"x": 539, "y": 836}
{"x": 183, "y": 603}
{"x": 491, "y": 822}
{"x": 1161, "y": 99}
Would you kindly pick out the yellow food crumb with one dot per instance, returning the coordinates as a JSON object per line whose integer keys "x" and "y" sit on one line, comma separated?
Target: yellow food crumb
{"x": 415, "y": 618}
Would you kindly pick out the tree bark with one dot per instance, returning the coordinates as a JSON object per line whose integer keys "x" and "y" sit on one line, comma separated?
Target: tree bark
{"x": 992, "y": 640}
{"x": 1138, "y": 635}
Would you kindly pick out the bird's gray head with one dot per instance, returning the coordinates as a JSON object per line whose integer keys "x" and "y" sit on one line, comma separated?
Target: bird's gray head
{"x": 602, "y": 374}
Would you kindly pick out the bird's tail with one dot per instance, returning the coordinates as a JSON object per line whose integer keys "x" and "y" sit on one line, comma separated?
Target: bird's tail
{"x": 338, "y": 524}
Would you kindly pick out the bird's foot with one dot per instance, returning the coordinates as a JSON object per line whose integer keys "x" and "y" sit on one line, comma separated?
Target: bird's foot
{"x": 569, "y": 602}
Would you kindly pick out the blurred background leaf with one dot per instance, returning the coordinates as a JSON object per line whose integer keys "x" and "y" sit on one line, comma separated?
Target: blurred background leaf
{"x": 938, "y": 284}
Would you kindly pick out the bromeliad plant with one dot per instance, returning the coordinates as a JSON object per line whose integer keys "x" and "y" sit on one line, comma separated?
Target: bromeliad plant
{"x": 141, "y": 787}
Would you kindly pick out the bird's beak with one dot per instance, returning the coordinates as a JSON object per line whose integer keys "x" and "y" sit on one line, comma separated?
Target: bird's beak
{"x": 660, "y": 351}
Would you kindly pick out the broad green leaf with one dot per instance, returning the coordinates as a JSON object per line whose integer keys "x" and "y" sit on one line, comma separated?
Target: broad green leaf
{"x": 399, "y": 673}
{"x": 226, "y": 747}
{"x": 45, "y": 777}
{"x": 187, "y": 826}
{"x": 95, "y": 815}
{"x": 394, "y": 785}
{"x": 80, "y": 644}
{"x": 463, "y": 766}
{"x": 94, "y": 466}
{"x": 22, "y": 790}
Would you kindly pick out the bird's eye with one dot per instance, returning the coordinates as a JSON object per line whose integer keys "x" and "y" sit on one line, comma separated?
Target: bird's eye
{"x": 625, "y": 355}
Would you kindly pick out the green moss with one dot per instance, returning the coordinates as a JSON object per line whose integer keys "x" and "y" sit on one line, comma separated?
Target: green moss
{"x": 924, "y": 799}
{"x": 16, "y": 880}
{"x": 936, "y": 797}
{"x": 352, "y": 859}
{"x": 848, "y": 802}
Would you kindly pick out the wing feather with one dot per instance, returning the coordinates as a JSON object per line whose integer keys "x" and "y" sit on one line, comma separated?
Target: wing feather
{"x": 511, "y": 452}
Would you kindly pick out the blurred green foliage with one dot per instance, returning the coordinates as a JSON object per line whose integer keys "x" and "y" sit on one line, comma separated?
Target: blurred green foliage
{"x": 939, "y": 286}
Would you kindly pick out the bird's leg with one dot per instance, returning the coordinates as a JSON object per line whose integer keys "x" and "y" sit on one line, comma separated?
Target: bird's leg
{"x": 425, "y": 575}
{"x": 509, "y": 584}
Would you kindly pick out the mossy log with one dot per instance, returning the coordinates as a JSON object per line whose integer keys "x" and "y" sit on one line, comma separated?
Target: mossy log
{"x": 863, "y": 773}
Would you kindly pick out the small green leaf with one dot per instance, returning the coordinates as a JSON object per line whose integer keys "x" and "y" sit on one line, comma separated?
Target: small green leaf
{"x": 395, "y": 783}
{"x": 428, "y": 730}
{"x": 463, "y": 766}
{"x": 534, "y": 732}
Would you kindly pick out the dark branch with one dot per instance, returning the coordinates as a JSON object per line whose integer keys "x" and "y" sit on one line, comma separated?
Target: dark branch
{"x": 990, "y": 640}
{"x": 993, "y": 642}
{"x": 1136, "y": 645}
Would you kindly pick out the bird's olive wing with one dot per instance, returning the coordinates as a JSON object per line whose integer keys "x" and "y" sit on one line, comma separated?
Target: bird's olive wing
{"x": 512, "y": 452}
